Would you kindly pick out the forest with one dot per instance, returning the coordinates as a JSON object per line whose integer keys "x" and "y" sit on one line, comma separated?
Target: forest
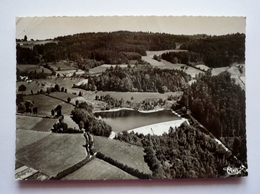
{"x": 181, "y": 57}
{"x": 122, "y": 46}
{"x": 113, "y": 48}
{"x": 186, "y": 152}
{"x": 143, "y": 78}
{"x": 218, "y": 51}
{"x": 219, "y": 105}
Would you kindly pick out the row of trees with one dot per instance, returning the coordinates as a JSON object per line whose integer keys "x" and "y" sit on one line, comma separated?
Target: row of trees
{"x": 132, "y": 138}
{"x": 130, "y": 170}
{"x": 143, "y": 78}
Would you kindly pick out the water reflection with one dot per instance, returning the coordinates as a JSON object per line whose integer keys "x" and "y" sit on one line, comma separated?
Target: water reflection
{"x": 130, "y": 119}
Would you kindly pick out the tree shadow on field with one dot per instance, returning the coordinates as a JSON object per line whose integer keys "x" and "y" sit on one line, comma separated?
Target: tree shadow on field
{"x": 141, "y": 185}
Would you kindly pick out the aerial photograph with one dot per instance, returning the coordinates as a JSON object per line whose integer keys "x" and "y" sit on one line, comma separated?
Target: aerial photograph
{"x": 130, "y": 97}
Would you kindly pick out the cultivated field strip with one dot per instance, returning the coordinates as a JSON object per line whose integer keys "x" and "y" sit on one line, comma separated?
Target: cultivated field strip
{"x": 53, "y": 153}
{"x": 27, "y": 122}
{"x": 98, "y": 169}
{"x": 27, "y": 137}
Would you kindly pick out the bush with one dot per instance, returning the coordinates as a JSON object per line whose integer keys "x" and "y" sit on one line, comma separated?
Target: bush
{"x": 21, "y": 108}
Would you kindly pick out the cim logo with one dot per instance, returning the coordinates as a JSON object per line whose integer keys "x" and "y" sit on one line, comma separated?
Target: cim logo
{"x": 233, "y": 170}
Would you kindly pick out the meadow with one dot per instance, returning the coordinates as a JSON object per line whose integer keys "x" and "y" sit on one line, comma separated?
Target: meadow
{"x": 53, "y": 153}
{"x": 124, "y": 153}
{"x": 98, "y": 169}
{"x": 138, "y": 97}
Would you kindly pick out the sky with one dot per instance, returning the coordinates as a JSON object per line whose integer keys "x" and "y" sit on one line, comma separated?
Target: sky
{"x": 50, "y": 27}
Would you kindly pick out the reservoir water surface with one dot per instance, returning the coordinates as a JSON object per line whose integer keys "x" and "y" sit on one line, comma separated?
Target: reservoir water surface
{"x": 129, "y": 119}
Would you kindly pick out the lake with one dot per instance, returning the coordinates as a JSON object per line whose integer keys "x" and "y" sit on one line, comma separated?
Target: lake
{"x": 130, "y": 119}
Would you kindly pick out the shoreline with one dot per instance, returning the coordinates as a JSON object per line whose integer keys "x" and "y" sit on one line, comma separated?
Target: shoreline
{"x": 141, "y": 111}
{"x": 112, "y": 110}
{"x": 152, "y": 129}
{"x": 158, "y": 128}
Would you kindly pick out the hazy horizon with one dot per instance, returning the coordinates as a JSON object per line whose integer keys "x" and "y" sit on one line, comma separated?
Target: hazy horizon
{"x": 43, "y": 28}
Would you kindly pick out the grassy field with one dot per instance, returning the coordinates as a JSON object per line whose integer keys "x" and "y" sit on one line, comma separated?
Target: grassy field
{"x": 98, "y": 169}
{"x": 130, "y": 155}
{"x": 63, "y": 65}
{"x": 26, "y": 122}
{"x": 70, "y": 122}
{"x": 45, "y": 125}
{"x": 218, "y": 70}
{"x": 37, "y": 85}
{"x": 243, "y": 78}
{"x": 33, "y": 86}
{"x": 235, "y": 73}
{"x": 204, "y": 67}
{"x": 63, "y": 82}
{"x": 234, "y": 70}
{"x": 83, "y": 81}
{"x": 98, "y": 69}
{"x": 26, "y": 137}
{"x": 153, "y": 62}
{"x": 189, "y": 70}
{"x": 53, "y": 153}
{"x": 67, "y": 108}
{"x": 18, "y": 164}
{"x": 167, "y": 65}
{"x": 69, "y": 73}
{"x": 152, "y": 53}
{"x": 138, "y": 96}
{"x": 46, "y": 103}
{"x": 62, "y": 95}
{"x": 102, "y": 68}
{"x": 34, "y": 123}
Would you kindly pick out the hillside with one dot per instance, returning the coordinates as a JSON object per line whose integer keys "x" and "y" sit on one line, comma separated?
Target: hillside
{"x": 89, "y": 49}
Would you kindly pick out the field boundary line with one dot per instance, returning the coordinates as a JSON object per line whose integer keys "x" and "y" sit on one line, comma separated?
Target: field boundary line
{"x": 59, "y": 99}
{"x": 72, "y": 169}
